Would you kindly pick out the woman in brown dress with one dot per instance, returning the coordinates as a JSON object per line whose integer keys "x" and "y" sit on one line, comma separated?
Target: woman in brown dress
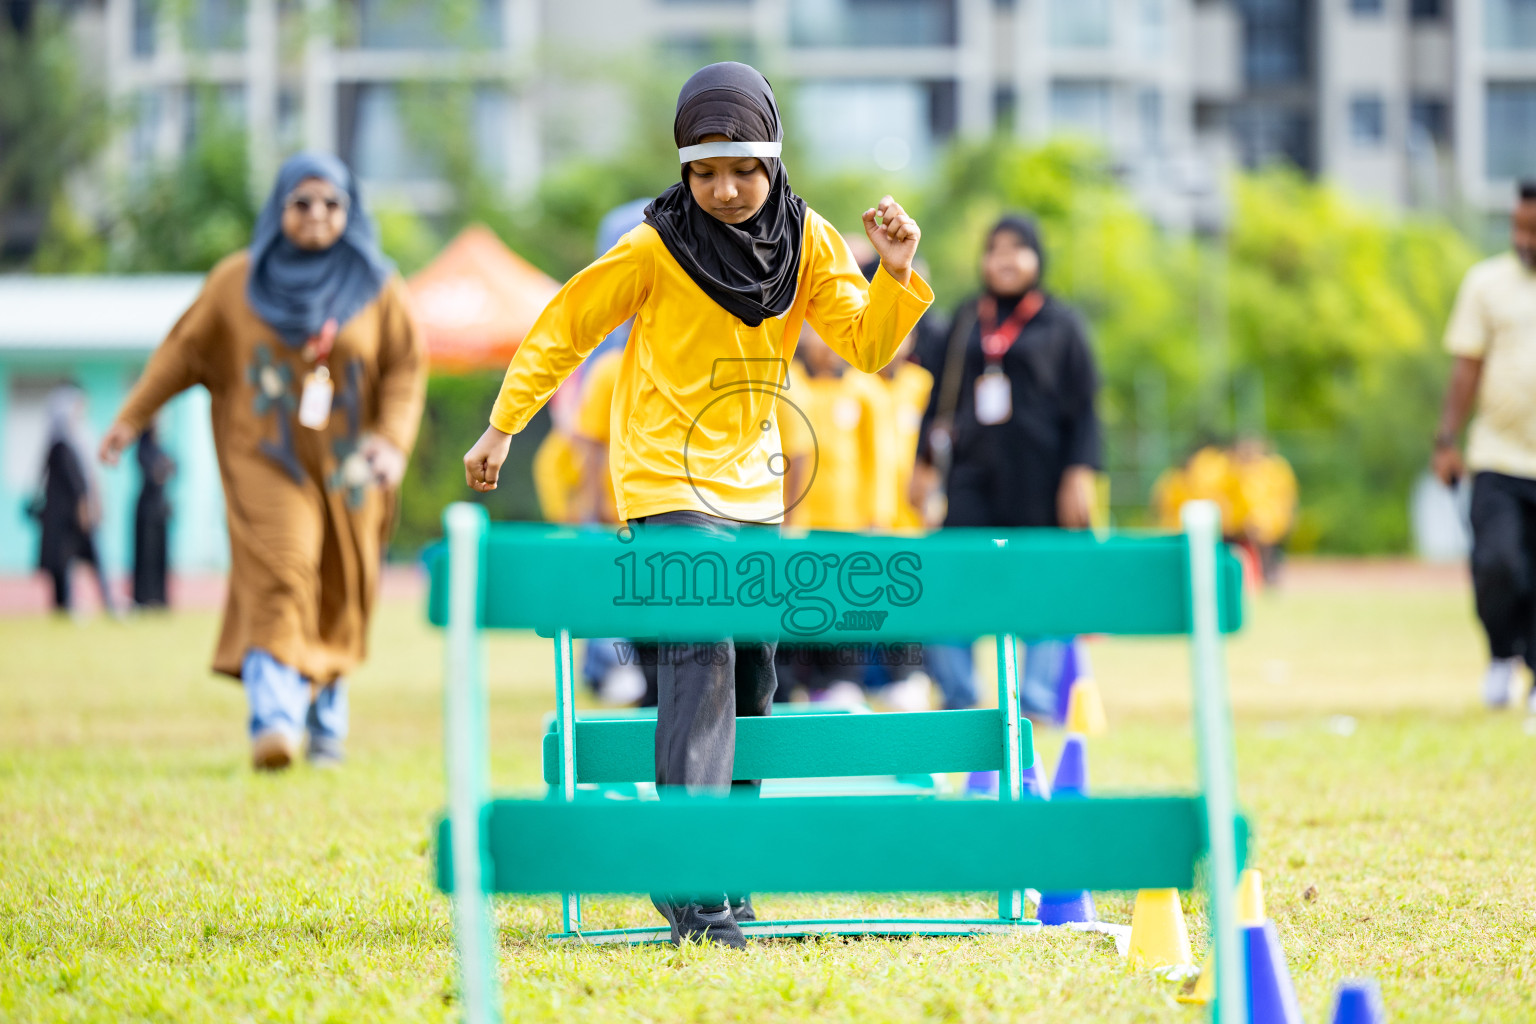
{"x": 317, "y": 377}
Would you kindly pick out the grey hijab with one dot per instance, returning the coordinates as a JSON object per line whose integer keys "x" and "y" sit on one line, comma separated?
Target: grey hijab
{"x": 296, "y": 291}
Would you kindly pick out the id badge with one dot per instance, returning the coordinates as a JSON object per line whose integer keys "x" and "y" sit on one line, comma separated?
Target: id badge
{"x": 994, "y": 397}
{"x": 315, "y": 401}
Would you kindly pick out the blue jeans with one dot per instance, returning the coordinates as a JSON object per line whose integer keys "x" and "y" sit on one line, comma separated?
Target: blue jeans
{"x": 1040, "y": 682}
{"x": 279, "y": 699}
{"x": 952, "y": 668}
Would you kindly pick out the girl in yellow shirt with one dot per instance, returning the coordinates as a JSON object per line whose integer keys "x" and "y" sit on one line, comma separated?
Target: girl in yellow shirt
{"x": 719, "y": 278}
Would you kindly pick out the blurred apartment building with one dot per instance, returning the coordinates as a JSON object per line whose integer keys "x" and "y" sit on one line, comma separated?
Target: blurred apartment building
{"x": 1408, "y": 102}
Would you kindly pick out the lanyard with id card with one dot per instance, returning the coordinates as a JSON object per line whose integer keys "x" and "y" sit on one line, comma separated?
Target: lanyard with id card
{"x": 315, "y": 399}
{"x": 994, "y": 391}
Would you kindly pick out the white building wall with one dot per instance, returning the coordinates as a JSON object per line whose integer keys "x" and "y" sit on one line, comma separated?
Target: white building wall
{"x": 1363, "y": 60}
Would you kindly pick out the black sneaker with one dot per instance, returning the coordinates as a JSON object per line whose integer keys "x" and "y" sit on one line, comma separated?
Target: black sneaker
{"x": 695, "y": 922}
{"x": 664, "y": 908}
{"x": 741, "y": 908}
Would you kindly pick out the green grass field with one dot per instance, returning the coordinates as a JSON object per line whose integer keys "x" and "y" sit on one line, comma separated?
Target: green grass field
{"x": 147, "y": 874}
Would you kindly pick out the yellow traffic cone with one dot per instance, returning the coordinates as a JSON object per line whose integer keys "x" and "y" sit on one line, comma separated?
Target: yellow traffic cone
{"x": 1204, "y": 988}
{"x": 1250, "y": 898}
{"x": 1085, "y": 708}
{"x": 1158, "y": 935}
{"x": 1250, "y": 911}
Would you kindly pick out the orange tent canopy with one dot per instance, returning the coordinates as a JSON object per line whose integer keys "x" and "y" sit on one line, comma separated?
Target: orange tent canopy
{"x": 476, "y": 300}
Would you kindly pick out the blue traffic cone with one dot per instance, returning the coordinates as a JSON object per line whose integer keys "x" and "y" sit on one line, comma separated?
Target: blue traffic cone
{"x": 1358, "y": 1002}
{"x": 1066, "y": 907}
{"x": 1271, "y": 997}
{"x": 1071, "y": 778}
{"x": 981, "y": 783}
{"x": 1035, "y": 785}
{"x": 1069, "y": 782}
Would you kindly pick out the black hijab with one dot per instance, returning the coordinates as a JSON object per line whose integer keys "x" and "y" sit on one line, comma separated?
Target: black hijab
{"x": 750, "y": 268}
{"x": 296, "y": 291}
{"x": 1027, "y": 230}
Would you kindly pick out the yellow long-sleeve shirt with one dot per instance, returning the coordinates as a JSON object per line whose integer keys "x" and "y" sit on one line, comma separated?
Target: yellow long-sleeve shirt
{"x": 693, "y": 424}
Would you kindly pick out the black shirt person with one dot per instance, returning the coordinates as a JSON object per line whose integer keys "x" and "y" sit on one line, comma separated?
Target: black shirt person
{"x": 1012, "y": 432}
{"x": 151, "y": 522}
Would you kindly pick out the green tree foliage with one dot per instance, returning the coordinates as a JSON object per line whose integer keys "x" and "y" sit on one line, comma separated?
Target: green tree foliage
{"x": 52, "y": 122}
{"x": 187, "y": 216}
{"x": 70, "y": 243}
{"x": 1316, "y": 320}
{"x": 1339, "y": 310}
{"x": 456, "y": 411}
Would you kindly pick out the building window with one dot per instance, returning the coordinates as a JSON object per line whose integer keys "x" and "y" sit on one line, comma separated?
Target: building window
{"x": 1005, "y": 107}
{"x": 1149, "y": 117}
{"x": 381, "y": 147}
{"x": 1426, "y": 10}
{"x": 216, "y": 25}
{"x": 391, "y": 25}
{"x": 1367, "y": 121}
{"x": 1429, "y": 123}
{"x": 1276, "y": 45}
{"x": 1081, "y": 108}
{"x": 211, "y": 109}
{"x": 1366, "y": 8}
{"x": 144, "y": 28}
{"x": 1509, "y": 24}
{"x": 889, "y": 125}
{"x": 1270, "y": 132}
{"x": 872, "y": 23}
{"x": 697, "y": 51}
{"x": 1154, "y": 28}
{"x": 1511, "y": 131}
{"x": 144, "y": 131}
{"x": 1080, "y": 24}
{"x": 387, "y": 131}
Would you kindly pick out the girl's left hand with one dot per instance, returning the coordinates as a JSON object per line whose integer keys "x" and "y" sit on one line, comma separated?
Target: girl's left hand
{"x": 894, "y": 237}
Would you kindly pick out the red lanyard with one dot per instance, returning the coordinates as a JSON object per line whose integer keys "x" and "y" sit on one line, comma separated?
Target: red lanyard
{"x": 318, "y": 348}
{"x": 997, "y": 340}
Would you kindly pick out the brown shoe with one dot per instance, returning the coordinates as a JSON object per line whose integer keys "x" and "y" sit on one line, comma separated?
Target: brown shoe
{"x": 273, "y": 750}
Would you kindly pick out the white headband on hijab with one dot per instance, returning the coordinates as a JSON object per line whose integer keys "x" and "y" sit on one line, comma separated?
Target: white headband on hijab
{"x": 705, "y": 150}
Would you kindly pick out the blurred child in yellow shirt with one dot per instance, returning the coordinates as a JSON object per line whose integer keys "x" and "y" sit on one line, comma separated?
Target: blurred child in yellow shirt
{"x": 1269, "y": 494}
{"x": 897, "y": 397}
{"x": 1253, "y": 486}
{"x": 830, "y": 445}
{"x": 593, "y": 499}
{"x": 556, "y": 475}
{"x": 851, "y": 443}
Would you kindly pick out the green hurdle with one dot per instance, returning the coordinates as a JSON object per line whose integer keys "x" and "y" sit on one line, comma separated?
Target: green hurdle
{"x": 675, "y": 585}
